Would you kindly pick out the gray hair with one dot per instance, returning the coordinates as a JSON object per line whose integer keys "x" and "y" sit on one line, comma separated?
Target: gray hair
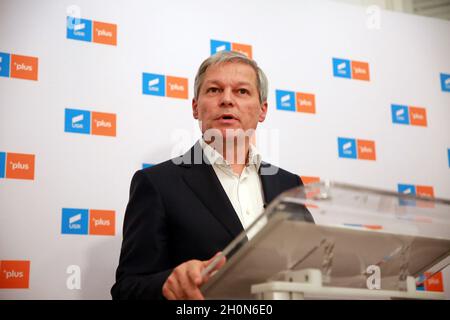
{"x": 222, "y": 57}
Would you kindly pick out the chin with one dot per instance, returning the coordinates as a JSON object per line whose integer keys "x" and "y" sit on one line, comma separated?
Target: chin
{"x": 226, "y": 133}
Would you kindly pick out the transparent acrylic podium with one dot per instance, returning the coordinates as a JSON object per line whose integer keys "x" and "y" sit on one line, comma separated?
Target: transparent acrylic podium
{"x": 331, "y": 240}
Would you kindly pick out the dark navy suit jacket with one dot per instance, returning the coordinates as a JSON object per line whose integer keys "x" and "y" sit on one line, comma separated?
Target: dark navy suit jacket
{"x": 178, "y": 211}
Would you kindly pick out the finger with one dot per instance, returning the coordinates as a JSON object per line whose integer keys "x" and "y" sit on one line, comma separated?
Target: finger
{"x": 189, "y": 278}
{"x": 219, "y": 265}
{"x": 208, "y": 262}
{"x": 195, "y": 274}
{"x": 175, "y": 284}
{"x": 183, "y": 285}
{"x": 168, "y": 293}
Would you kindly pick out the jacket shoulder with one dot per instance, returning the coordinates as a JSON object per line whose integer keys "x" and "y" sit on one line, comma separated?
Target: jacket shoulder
{"x": 281, "y": 174}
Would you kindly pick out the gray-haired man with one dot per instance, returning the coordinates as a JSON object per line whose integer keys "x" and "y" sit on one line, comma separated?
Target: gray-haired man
{"x": 184, "y": 211}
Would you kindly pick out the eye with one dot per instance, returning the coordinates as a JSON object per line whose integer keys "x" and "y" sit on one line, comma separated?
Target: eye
{"x": 243, "y": 91}
{"x": 212, "y": 90}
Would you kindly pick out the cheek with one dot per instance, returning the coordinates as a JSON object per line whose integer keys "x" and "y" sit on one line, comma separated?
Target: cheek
{"x": 202, "y": 110}
{"x": 203, "y": 114}
{"x": 256, "y": 113}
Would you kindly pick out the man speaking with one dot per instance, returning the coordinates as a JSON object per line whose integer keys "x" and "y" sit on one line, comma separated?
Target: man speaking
{"x": 184, "y": 211}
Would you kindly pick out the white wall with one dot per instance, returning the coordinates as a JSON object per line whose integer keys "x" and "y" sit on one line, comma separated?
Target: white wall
{"x": 293, "y": 41}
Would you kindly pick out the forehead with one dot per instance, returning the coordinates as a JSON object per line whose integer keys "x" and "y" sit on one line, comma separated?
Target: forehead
{"x": 231, "y": 72}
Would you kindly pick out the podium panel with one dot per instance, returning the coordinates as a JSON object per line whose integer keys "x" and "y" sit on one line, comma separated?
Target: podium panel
{"x": 357, "y": 238}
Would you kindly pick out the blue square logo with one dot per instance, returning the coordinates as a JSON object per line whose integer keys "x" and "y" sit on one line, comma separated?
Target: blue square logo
{"x": 2, "y": 164}
{"x": 79, "y": 29}
{"x": 400, "y": 114}
{"x": 78, "y": 121}
{"x": 4, "y": 64}
{"x": 347, "y": 148}
{"x": 153, "y": 84}
{"x": 341, "y": 68}
{"x": 285, "y": 100}
{"x": 407, "y": 189}
{"x": 421, "y": 281}
{"x": 147, "y": 165}
{"x": 217, "y": 46}
{"x": 445, "y": 82}
{"x": 74, "y": 221}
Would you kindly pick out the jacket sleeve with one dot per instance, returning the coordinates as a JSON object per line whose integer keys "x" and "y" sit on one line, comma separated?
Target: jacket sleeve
{"x": 144, "y": 263}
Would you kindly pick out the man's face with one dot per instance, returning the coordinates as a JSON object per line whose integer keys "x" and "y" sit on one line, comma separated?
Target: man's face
{"x": 229, "y": 99}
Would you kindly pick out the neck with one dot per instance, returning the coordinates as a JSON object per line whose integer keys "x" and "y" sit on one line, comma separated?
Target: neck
{"x": 234, "y": 151}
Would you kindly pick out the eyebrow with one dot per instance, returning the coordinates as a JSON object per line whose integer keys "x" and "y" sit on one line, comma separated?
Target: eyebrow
{"x": 240, "y": 83}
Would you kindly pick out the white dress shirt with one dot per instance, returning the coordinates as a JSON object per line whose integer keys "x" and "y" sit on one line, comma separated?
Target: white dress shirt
{"x": 244, "y": 191}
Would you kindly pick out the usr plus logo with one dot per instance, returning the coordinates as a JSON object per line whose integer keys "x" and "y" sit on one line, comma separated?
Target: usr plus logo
{"x": 14, "y": 274}
{"x": 18, "y": 66}
{"x": 90, "y": 122}
{"x": 164, "y": 86}
{"x": 351, "y": 148}
{"x": 415, "y": 190}
{"x": 219, "y": 45}
{"x": 434, "y": 283}
{"x": 344, "y": 68}
{"x": 295, "y": 101}
{"x": 88, "y": 221}
{"x": 414, "y": 116}
{"x": 17, "y": 165}
{"x": 91, "y": 31}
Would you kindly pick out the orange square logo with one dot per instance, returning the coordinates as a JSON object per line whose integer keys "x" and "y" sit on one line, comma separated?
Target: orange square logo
{"x": 102, "y": 222}
{"x": 14, "y": 274}
{"x": 360, "y": 70}
{"x": 425, "y": 191}
{"x": 105, "y": 33}
{"x": 24, "y": 67}
{"x": 366, "y": 150}
{"x": 306, "y": 102}
{"x": 435, "y": 283}
{"x": 309, "y": 179}
{"x": 418, "y": 116}
{"x": 311, "y": 194}
{"x": 20, "y": 166}
{"x": 176, "y": 87}
{"x": 103, "y": 124}
{"x": 242, "y": 48}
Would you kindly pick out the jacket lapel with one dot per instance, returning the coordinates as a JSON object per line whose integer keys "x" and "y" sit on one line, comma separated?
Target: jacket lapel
{"x": 201, "y": 178}
{"x": 269, "y": 182}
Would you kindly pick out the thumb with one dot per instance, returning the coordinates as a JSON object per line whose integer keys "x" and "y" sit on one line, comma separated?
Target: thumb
{"x": 220, "y": 263}
{"x": 213, "y": 259}
{"x": 206, "y": 263}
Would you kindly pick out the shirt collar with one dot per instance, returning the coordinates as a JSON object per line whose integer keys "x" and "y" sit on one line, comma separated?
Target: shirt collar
{"x": 215, "y": 158}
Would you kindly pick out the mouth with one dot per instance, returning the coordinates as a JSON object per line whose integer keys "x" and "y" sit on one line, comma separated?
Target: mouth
{"x": 228, "y": 117}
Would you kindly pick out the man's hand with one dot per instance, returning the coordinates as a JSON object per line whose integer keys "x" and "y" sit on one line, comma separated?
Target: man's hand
{"x": 185, "y": 280}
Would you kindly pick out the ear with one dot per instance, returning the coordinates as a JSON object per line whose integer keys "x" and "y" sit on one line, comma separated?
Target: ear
{"x": 195, "y": 108}
{"x": 262, "y": 115}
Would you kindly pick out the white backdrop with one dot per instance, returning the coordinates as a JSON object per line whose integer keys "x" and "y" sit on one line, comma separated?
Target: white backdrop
{"x": 293, "y": 41}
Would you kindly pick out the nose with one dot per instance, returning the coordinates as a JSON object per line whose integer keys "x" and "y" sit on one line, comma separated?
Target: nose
{"x": 227, "y": 98}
